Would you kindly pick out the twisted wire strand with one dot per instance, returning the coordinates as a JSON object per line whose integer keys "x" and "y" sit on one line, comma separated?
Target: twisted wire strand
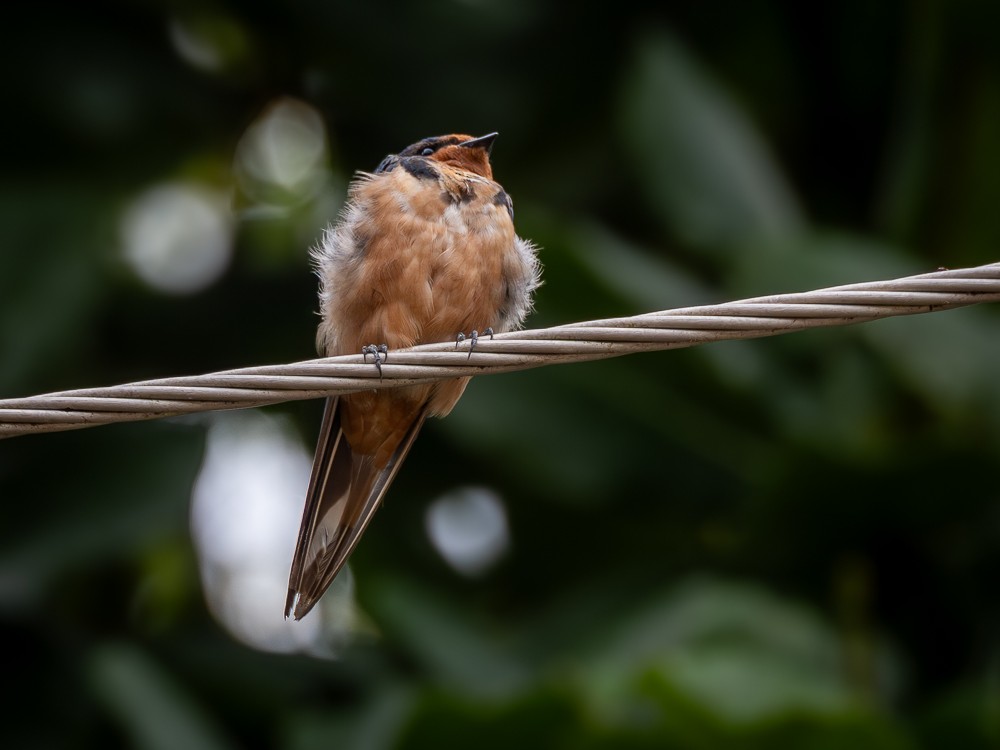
{"x": 520, "y": 350}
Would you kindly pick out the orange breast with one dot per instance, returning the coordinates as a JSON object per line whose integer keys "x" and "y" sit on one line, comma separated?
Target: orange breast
{"x": 430, "y": 266}
{"x": 427, "y": 262}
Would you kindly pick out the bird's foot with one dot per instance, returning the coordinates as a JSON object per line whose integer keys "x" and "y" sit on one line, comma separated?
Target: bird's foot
{"x": 473, "y": 338}
{"x": 379, "y": 352}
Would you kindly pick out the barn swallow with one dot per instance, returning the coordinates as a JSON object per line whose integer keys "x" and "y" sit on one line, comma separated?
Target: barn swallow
{"x": 424, "y": 251}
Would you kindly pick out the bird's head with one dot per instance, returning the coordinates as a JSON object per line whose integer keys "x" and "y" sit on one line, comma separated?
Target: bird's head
{"x": 459, "y": 151}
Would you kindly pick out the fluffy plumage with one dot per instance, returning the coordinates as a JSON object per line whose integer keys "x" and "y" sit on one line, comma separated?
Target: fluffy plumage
{"x": 425, "y": 249}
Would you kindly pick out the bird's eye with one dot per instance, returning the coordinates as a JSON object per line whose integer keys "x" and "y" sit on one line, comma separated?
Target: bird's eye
{"x": 427, "y": 152}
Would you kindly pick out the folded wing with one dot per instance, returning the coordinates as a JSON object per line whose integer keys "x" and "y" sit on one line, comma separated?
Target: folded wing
{"x": 345, "y": 490}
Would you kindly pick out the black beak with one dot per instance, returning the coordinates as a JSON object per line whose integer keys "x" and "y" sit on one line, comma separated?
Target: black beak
{"x": 484, "y": 142}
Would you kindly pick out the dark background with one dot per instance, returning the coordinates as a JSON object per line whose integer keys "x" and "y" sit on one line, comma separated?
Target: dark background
{"x": 790, "y": 542}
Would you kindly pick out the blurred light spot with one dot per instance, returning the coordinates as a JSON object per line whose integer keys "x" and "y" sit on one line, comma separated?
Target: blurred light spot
{"x": 209, "y": 42}
{"x": 177, "y": 237}
{"x": 246, "y": 508}
{"x": 282, "y": 157}
{"x": 468, "y": 528}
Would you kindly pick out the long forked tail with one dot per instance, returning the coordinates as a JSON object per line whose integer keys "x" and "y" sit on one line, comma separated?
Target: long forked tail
{"x": 345, "y": 490}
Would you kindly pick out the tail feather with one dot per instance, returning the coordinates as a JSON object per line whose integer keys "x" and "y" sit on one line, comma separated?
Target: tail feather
{"x": 345, "y": 490}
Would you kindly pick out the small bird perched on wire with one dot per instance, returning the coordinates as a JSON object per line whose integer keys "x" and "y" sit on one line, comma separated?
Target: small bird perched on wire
{"x": 424, "y": 251}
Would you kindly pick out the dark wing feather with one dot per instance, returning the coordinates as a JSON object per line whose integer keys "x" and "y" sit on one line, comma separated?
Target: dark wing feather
{"x": 345, "y": 490}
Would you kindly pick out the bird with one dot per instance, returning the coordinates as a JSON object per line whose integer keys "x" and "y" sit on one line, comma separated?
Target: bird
{"x": 424, "y": 251}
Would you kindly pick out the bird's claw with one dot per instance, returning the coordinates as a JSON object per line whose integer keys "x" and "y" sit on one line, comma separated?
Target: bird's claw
{"x": 473, "y": 339}
{"x": 379, "y": 352}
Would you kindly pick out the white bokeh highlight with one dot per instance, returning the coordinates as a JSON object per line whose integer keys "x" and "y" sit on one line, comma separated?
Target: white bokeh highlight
{"x": 177, "y": 237}
{"x": 283, "y": 156}
{"x": 245, "y": 513}
{"x": 468, "y": 528}
{"x": 197, "y": 49}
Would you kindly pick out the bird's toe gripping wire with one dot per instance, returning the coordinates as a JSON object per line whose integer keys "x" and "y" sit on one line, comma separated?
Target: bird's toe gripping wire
{"x": 379, "y": 352}
{"x": 473, "y": 339}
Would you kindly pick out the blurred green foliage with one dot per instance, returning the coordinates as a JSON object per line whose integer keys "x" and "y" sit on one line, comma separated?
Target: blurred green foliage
{"x": 791, "y": 542}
